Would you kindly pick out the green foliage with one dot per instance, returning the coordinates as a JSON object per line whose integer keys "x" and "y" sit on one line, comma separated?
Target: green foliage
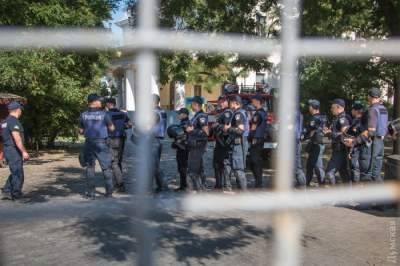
{"x": 55, "y": 83}
{"x": 211, "y": 16}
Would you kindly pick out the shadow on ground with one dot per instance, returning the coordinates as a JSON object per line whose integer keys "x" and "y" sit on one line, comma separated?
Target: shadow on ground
{"x": 194, "y": 239}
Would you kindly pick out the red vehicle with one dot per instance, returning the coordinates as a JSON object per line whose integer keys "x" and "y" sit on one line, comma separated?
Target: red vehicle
{"x": 246, "y": 93}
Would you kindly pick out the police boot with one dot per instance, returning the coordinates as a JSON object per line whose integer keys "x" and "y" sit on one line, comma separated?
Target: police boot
{"x": 90, "y": 195}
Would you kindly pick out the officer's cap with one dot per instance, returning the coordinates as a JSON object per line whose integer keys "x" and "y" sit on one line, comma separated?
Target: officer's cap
{"x": 235, "y": 98}
{"x": 93, "y": 97}
{"x": 183, "y": 111}
{"x": 374, "y": 92}
{"x": 340, "y": 102}
{"x": 257, "y": 97}
{"x": 222, "y": 98}
{"x": 14, "y": 106}
{"x": 314, "y": 103}
{"x": 111, "y": 100}
{"x": 357, "y": 106}
{"x": 198, "y": 99}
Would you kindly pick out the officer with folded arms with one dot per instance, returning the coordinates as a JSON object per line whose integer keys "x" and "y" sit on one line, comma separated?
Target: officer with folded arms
{"x": 197, "y": 143}
{"x": 315, "y": 147}
{"x": 339, "y": 127}
{"x": 95, "y": 124}
{"x": 258, "y": 126}
{"x": 14, "y": 151}
{"x": 377, "y": 129}
{"x": 117, "y": 140}
{"x": 238, "y": 130}
{"x": 221, "y": 150}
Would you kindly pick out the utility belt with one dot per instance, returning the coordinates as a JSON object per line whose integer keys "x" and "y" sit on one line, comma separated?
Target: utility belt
{"x": 196, "y": 143}
{"x": 255, "y": 141}
{"x": 379, "y": 137}
{"x": 97, "y": 140}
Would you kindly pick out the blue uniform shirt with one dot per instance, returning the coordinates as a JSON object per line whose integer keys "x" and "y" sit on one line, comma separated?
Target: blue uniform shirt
{"x": 119, "y": 120}
{"x": 160, "y": 127}
{"x": 94, "y": 123}
{"x": 199, "y": 120}
{"x": 7, "y": 127}
{"x": 341, "y": 121}
{"x": 259, "y": 119}
{"x": 378, "y": 119}
{"x": 240, "y": 118}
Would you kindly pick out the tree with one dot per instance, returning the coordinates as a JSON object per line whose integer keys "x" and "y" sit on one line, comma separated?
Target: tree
{"x": 55, "y": 83}
{"x": 212, "y": 16}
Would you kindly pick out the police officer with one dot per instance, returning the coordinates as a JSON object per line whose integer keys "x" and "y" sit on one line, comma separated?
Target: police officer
{"x": 339, "y": 127}
{"x": 258, "y": 126}
{"x": 182, "y": 152}
{"x": 238, "y": 130}
{"x": 315, "y": 147}
{"x": 221, "y": 150}
{"x": 377, "y": 129}
{"x": 14, "y": 151}
{"x": 300, "y": 178}
{"x": 197, "y": 143}
{"x": 360, "y": 153}
{"x": 117, "y": 140}
{"x": 94, "y": 125}
{"x": 158, "y": 134}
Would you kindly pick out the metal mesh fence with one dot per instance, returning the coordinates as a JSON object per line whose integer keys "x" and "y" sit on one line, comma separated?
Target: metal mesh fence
{"x": 147, "y": 39}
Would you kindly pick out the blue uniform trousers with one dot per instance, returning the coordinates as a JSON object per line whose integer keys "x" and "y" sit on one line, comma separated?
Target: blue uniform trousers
{"x": 377, "y": 152}
{"x": 236, "y": 164}
{"x": 156, "y": 156}
{"x": 300, "y": 178}
{"x": 195, "y": 165}
{"x": 315, "y": 162}
{"x": 182, "y": 161}
{"x": 98, "y": 149}
{"x": 256, "y": 160}
{"x": 338, "y": 162}
{"x": 15, "y": 181}
{"x": 221, "y": 153}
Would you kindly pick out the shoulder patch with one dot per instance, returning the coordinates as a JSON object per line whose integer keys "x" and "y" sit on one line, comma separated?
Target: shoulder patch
{"x": 342, "y": 120}
{"x": 3, "y": 125}
{"x": 312, "y": 123}
{"x": 227, "y": 114}
{"x": 202, "y": 120}
{"x": 237, "y": 116}
{"x": 16, "y": 127}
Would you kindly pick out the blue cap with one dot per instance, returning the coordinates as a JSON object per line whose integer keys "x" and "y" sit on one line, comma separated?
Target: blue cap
{"x": 93, "y": 97}
{"x": 111, "y": 100}
{"x": 235, "y": 98}
{"x": 340, "y": 102}
{"x": 314, "y": 103}
{"x": 357, "y": 106}
{"x": 14, "y": 106}
{"x": 374, "y": 92}
{"x": 222, "y": 98}
{"x": 198, "y": 99}
{"x": 183, "y": 111}
{"x": 257, "y": 97}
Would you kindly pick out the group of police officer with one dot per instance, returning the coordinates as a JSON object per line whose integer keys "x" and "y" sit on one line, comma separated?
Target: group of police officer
{"x": 357, "y": 143}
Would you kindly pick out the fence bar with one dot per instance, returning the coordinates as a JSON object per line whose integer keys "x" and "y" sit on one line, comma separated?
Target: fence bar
{"x": 275, "y": 201}
{"x": 286, "y": 238}
{"x": 287, "y": 234}
{"x": 144, "y": 119}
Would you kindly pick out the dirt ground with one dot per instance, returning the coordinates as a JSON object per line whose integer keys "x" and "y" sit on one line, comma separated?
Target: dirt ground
{"x": 75, "y": 231}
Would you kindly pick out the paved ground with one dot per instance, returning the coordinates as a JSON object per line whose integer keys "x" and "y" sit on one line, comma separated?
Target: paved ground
{"x": 74, "y": 231}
